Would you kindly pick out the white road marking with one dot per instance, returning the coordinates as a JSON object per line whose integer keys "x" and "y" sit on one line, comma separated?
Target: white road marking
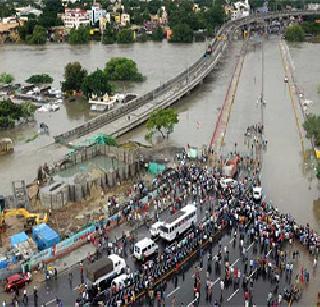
{"x": 192, "y": 302}
{"x": 232, "y": 295}
{"x": 249, "y": 246}
{"x": 236, "y": 261}
{"x": 173, "y": 291}
{"x": 269, "y": 252}
{"x": 50, "y": 302}
{"x": 231, "y": 240}
{"x": 216, "y": 280}
{"x": 252, "y": 273}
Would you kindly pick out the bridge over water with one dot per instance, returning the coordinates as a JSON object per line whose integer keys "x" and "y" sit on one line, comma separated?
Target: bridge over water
{"x": 121, "y": 120}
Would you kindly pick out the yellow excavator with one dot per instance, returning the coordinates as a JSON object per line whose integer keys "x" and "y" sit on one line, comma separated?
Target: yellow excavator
{"x": 31, "y": 219}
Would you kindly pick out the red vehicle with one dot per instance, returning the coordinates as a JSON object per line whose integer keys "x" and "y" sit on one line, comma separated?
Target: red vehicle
{"x": 17, "y": 281}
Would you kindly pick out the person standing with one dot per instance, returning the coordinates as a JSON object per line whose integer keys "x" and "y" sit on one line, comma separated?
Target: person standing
{"x": 222, "y": 289}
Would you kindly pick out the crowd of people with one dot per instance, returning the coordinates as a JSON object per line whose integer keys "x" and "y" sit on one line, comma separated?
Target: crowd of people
{"x": 254, "y": 224}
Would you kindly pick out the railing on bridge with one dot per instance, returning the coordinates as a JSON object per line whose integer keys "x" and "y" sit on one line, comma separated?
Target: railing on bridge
{"x": 203, "y": 63}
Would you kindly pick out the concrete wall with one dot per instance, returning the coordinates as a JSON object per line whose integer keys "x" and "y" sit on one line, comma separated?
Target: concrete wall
{"x": 56, "y": 195}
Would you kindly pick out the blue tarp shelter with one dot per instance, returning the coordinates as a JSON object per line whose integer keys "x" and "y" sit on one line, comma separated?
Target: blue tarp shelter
{"x": 44, "y": 236}
{"x": 18, "y": 238}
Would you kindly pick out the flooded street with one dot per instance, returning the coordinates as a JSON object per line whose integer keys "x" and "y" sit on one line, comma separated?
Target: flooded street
{"x": 23, "y": 61}
{"x": 305, "y": 58}
{"x": 283, "y": 177}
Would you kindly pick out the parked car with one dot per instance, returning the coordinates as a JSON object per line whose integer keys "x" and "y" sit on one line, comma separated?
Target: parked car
{"x": 17, "y": 281}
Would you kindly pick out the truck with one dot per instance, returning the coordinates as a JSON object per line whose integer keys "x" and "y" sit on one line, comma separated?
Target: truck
{"x": 105, "y": 269}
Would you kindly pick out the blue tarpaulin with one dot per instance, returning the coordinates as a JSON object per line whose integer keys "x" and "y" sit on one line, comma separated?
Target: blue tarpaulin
{"x": 45, "y": 236}
{"x": 18, "y": 238}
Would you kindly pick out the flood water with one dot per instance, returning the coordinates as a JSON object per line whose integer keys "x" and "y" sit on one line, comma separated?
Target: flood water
{"x": 157, "y": 61}
{"x": 285, "y": 182}
{"x": 283, "y": 176}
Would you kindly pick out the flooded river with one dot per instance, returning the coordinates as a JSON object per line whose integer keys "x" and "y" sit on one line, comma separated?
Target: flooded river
{"x": 157, "y": 61}
{"x": 286, "y": 184}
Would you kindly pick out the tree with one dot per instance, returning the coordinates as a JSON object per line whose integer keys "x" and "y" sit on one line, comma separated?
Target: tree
{"x": 80, "y": 36}
{"x": 294, "y": 33}
{"x": 157, "y": 34}
{"x": 108, "y": 37}
{"x": 27, "y": 29}
{"x": 122, "y": 69}
{"x": 182, "y": 33}
{"x": 162, "y": 120}
{"x": 96, "y": 83}
{"x": 6, "y": 78}
{"x": 9, "y": 112}
{"x": 39, "y": 35}
{"x": 125, "y": 36}
{"x": 312, "y": 126}
{"x": 74, "y": 75}
{"x": 40, "y": 79}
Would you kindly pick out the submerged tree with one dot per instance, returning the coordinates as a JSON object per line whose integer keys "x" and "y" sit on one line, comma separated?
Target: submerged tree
{"x": 162, "y": 121}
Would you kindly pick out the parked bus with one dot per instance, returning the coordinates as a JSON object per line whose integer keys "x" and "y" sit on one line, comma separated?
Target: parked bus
{"x": 178, "y": 223}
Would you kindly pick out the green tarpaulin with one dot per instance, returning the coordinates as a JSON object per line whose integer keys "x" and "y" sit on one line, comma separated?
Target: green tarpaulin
{"x": 193, "y": 153}
{"x": 156, "y": 168}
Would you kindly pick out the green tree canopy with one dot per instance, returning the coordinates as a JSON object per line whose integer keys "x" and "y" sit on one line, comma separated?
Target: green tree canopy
{"x": 74, "y": 75}
{"x": 157, "y": 34}
{"x": 122, "y": 69}
{"x": 6, "y": 78}
{"x": 80, "y": 36}
{"x": 162, "y": 121}
{"x": 109, "y": 36}
{"x": 96, "y": 83}
{"x": 39, "y": 35}
{"x": 9, "y": 112}
{"x": 312, "y": 126}
{"x": 125, "y": 36}
{"x": 40, "y": 79}
{"x": 182, "y": 33}
{"x": 294, "y": 33}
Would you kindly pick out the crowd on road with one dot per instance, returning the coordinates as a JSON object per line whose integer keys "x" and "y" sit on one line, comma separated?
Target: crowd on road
{"x": 252, "y": 223}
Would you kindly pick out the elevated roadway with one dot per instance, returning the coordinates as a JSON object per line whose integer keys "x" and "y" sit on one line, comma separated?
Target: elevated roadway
{"x": 121, "y": 120}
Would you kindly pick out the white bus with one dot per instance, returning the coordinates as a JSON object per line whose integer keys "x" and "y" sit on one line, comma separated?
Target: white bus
{"x": 178, "y": 223}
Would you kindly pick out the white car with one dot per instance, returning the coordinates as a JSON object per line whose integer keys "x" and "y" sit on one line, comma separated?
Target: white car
{"x": 257, "y": 193}
{"x": 227, "y": 182}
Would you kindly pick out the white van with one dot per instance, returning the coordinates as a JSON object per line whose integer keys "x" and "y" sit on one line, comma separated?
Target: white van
{"x": 155, "y": 229}
{"x": 145, "y": 248}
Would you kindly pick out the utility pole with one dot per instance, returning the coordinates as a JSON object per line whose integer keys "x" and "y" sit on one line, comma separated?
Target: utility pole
{"x": 262, "y": 81}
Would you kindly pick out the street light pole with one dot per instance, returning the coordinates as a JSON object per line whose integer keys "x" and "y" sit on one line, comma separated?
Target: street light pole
{"x": 262, "y": 80}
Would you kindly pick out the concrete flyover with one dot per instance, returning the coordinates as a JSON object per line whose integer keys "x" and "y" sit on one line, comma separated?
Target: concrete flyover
{"x": 121, "y": 120}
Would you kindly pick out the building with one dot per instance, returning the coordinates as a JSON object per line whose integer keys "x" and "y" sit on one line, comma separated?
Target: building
{"x": 9, "y": 32}
{"x": 104, "y": 21}
{"x": 240, "y": 9}
{"x": 313, "y": 6}
{"x": 74, "y": 18}
{"x": 102, "y": 104}
{"x": 57, "y": 34}
{"x": 9, "y": 20}
{"x": 28, "y": 10}
{"x": 96, "y": 13}
{"x": 125, "y": 19}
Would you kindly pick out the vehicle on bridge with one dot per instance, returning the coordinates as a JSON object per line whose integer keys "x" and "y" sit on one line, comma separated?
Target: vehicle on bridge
{"x": 178, "y": 223}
